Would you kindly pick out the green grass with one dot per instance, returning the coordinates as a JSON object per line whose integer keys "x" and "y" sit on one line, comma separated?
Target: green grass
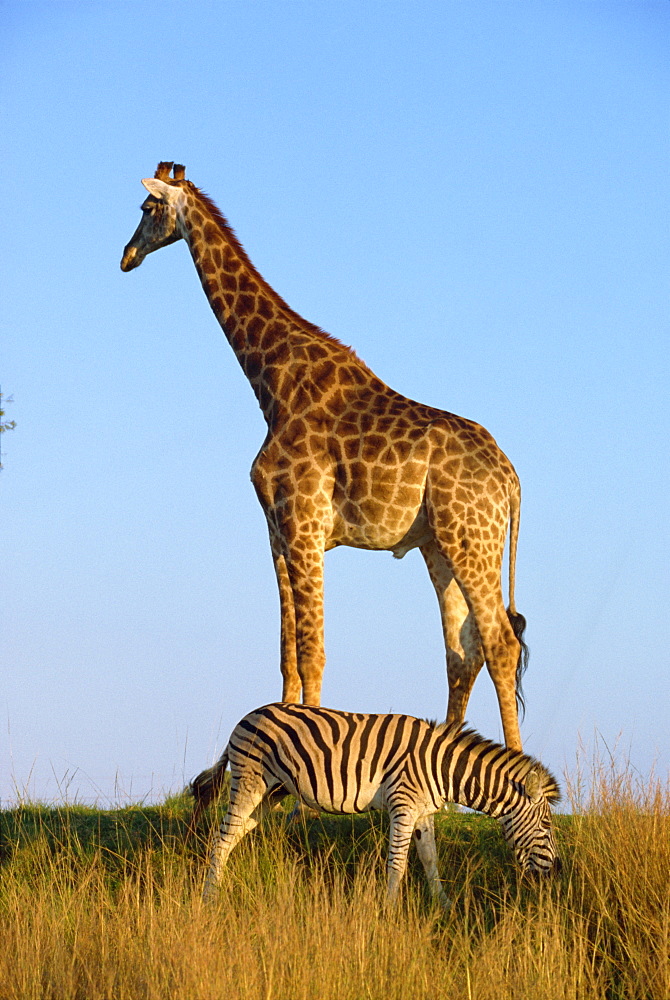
{"x": 106, "y": 903}
{"x": 114, "y": 839}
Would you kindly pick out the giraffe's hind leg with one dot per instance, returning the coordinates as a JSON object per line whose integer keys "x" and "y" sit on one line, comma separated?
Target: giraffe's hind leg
{"x": 502, "y": 651}
{"x": 465, "y": 656}
{"x": 473, "y": 545}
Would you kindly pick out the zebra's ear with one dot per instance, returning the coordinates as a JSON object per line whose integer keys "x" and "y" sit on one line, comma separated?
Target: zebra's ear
{"x": 533, "y": 786}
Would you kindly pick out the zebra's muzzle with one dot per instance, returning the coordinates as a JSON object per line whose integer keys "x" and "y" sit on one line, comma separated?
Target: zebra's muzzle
{"x": 555, "y": 868}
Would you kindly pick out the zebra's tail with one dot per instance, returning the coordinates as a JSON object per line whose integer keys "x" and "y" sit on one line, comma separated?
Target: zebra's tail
{"x": 517, "y": 621}
{"x": 205, "y": 788}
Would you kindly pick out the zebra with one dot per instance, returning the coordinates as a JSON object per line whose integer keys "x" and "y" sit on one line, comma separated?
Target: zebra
{"x": 344, "y": 762}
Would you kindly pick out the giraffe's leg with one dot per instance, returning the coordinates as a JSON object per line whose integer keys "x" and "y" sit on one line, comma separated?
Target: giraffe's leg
{"x": 289, "y": 658}
{"x": 501, "y": 649}
{"x": 297, "y": 513}
{"x": 304, "y": 564}
{"x": 424, "y": 838}
{"x": 288, "y": 663}
{"x": 465, "y": 656}
{"x": 473, "y": 549}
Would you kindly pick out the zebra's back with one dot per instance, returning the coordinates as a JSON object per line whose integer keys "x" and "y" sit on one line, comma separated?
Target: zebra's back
{"x": 340, "y": 762}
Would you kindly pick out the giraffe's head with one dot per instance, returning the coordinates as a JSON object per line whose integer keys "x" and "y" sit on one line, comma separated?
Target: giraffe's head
{"x": 159, "y": 223}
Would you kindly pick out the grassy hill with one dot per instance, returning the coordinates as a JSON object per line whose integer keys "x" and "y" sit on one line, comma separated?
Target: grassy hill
{"x": 106, "y": 903}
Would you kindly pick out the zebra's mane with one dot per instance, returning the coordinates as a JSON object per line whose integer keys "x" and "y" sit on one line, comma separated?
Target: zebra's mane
{"x": 520, "y": 763}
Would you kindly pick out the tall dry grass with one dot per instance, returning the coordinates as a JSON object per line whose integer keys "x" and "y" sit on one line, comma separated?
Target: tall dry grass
{"x": 113, "y": 911}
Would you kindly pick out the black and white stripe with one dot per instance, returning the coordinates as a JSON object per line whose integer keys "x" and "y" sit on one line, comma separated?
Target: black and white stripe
{"x": 344, "y": 762}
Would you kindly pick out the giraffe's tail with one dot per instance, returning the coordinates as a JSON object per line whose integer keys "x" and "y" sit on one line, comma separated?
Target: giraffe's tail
{"x": 205, "y": 788}
{"x": 517, "y": 621}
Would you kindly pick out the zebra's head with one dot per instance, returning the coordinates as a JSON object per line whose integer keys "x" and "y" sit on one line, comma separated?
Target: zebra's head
{"x": 528, "y": 826}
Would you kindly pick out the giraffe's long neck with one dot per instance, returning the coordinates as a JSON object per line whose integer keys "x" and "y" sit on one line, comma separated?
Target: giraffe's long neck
{"x": 275, "y": 346}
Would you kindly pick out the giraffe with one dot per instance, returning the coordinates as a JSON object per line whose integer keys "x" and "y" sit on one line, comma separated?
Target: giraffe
{"x": 348, "y": 461}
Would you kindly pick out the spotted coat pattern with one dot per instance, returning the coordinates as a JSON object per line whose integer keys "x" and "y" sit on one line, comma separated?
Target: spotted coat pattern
{"x": 349, "y": 461}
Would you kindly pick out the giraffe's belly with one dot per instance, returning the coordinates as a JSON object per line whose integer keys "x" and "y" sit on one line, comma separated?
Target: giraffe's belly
{"x": 391, "y": 529}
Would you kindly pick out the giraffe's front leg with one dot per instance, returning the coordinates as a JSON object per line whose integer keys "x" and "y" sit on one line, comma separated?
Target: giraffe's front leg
{"x": 289, "y": 657}
{"x": 298, "y": 514}
{"x": 271, "y": 495}
{"x": 305, "y": 570}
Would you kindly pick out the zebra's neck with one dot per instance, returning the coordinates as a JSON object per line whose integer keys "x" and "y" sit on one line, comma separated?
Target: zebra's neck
{"x": 480, "y": 774}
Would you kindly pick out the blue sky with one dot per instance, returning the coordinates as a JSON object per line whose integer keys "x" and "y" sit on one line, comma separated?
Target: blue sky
{"x": 474, "y": 196}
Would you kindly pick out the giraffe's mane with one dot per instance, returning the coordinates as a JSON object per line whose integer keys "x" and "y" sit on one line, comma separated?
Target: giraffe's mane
{"x": 524, "y": 762}
{"x": 230, "y": 236}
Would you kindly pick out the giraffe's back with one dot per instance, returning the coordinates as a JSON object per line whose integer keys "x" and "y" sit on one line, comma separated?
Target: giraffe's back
{"x": 384, "y": 450}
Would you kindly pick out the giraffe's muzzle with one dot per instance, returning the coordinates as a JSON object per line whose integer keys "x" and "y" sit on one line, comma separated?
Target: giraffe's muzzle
{"x": 131, "y": 258}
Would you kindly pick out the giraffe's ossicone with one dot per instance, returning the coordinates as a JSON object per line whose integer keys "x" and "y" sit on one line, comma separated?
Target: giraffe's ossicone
{"x": 349, "y": 461}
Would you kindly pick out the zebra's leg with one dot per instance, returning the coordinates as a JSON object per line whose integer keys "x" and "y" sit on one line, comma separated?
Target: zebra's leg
{"x": 400, "y": 837}
{"x": 424, "y": 838}
{"x": 248, "y": 804}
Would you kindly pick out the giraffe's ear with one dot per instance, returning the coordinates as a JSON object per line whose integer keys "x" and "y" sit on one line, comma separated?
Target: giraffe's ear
{"x": 533, "y": 785}
{"x": 159, "y": 189}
